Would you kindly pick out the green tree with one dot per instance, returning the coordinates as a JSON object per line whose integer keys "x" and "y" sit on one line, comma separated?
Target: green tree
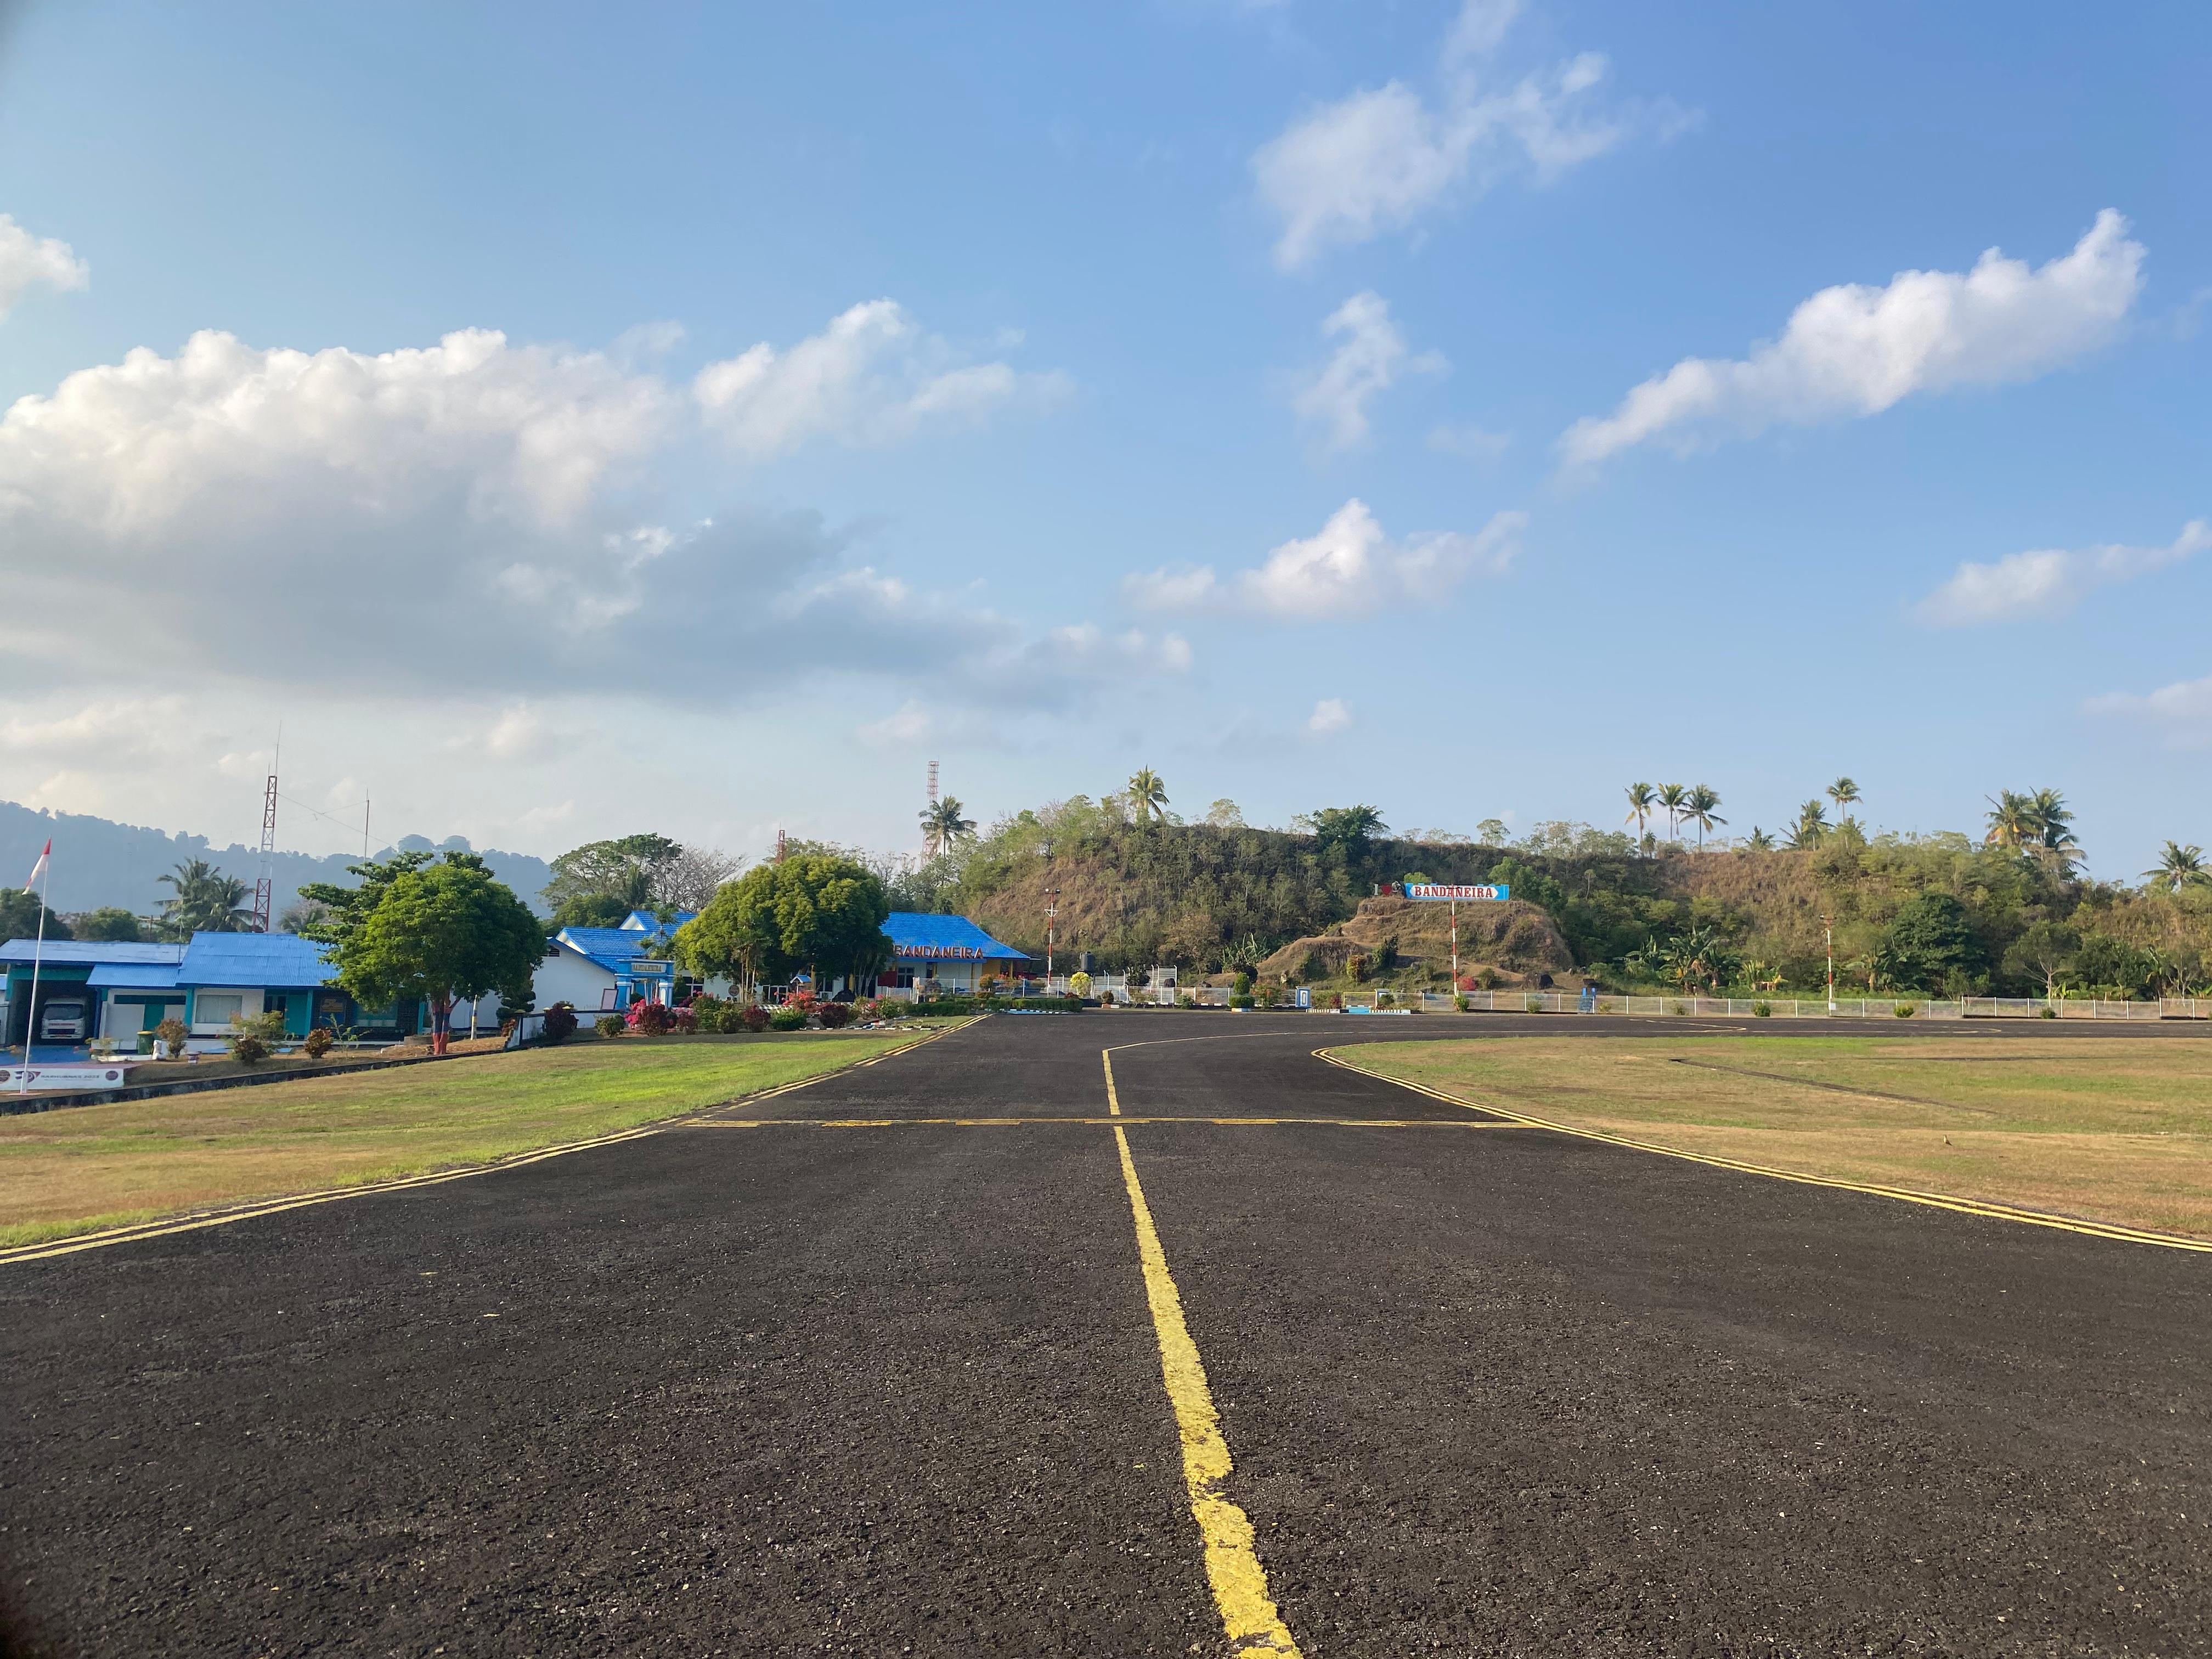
{"x": 1147, "y": 796}
{"x": 822, "y": 911}
{"x": 1347, "y": 829}
{"x": 1929, "y": 942}
{"x": 110, "y": 923}
{"x": 1845, "y": 794}
{"x": 206, "y": 901}
{"x": 627, "y": 869}
{"x": 2178, "y": 867}
{"x": 1811, "y": 828}
{"x": 339, "y": 911}
{"x": 2011, "y": 819}
{"x": 1758, "y": 840}
{"x": 1673, "y": 798}
{"x": 1643, "y": 800}
{"x": 18, "y": 916}
{"x": 2053, "y": 822}
{"x": 438, "y": 933}
{"x": 1698, "y": 804}
{"x": 2043, "y": 949}
{"x": 943, "y": 828}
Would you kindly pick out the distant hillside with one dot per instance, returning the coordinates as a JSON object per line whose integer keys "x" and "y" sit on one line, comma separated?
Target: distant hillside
{"x": 100, "y": 862}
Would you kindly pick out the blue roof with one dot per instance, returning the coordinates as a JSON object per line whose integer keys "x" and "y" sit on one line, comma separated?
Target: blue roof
{"x": 94, "y": 951}
{"x": 252, "y": 959}
{"x": 135, "y": 976}
{"x": 611, "y": 948}
{"x": 919, "y": 936}
{"x": 644, "y": 921}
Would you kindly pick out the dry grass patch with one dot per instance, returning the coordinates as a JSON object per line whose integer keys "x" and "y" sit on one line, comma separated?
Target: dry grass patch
{"x": 2116, "y": 1131}
{"x": 86, "y": 1167}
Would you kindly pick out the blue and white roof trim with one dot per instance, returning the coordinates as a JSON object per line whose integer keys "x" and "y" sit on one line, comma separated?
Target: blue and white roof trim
{"x": 281, "y": 960}
{"x": 611, "y": 948}
{"x": 918, "y": 936}
{"x": 644, "y": 921}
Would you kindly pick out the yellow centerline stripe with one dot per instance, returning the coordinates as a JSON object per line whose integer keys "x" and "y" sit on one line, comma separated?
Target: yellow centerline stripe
{"x": 1233, "y": 1563}
{"x": 1975, "y": 1207}
{"x": 1113, "y": 1099}
{"x": 223, "y": 1217}
{"x": 1003, "y": 1122}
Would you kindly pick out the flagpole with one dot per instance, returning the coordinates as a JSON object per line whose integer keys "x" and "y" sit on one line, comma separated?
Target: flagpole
{"x": 37, "y": 954}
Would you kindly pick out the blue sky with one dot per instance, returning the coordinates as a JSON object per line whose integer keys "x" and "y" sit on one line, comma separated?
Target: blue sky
{"x": 1317, "y": 402}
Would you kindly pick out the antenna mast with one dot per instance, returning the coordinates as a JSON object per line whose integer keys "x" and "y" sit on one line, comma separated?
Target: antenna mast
{"x": 930, "y": 842}
{"x": 263, "y": 887}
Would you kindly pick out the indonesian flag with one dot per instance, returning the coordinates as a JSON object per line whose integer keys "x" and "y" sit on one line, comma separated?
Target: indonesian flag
{"x": 39, "y": 868}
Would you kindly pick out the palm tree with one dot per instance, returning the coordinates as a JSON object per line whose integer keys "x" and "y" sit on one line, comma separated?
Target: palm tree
{"x": 1674, "y": 797}
{"x": 1642, "y": 799}
{"x": 207, "y": 900}
{"x": 1758, "y": 840}
{"x": 1148, "y": 796}
{"x": 1812, "y": 826}
{"x": 2179, "y": 867}
{"x": 1698, "y": 808}
{"x": 1845, "y": 794}
{"x": 942, "y": 826}
{"x": 2012, "y": 819}
{"x": 2053, "y": 822}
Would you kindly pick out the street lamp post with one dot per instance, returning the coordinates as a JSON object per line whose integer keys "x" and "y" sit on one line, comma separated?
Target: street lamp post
{"x": 1051, "y": 910}
{"x": 1828, "y": 933}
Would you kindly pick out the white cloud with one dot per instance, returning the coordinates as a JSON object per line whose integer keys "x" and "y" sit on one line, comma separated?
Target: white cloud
{"x": 119, "y": 731}
{"x": 520, "y": 734}
{"x": 872, "y": 376}
{"x": 1470, "y": 443}
{"x": 2181, "y": 713}
{"x": 2049, "y": 582}
{"x": 1350, "y": 568}
{"x": 1330, "y": 715}
{"x": 28, "y": 262}
{"x": 1853, "y": 349}
{"x": 1370, "y": 357}
{"x": 1377, "y": 160}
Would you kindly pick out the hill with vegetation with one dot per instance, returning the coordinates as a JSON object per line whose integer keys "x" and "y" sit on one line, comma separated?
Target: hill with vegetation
{"x": 1945, "y": 914}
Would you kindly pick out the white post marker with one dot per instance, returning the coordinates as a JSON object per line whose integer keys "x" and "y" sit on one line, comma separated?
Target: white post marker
{"x": 1441, "y": 892}
{"x": 38, "y": 952}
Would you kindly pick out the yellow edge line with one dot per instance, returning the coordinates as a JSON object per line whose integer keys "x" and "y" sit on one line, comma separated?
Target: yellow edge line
{"x": 1113, "y": 1099}
{"x": 1457, "y": 1124}
{"x": 1982, "y": 1207}
{"x": 1233, "y": 1563}
{"x": 131, "y": 1235}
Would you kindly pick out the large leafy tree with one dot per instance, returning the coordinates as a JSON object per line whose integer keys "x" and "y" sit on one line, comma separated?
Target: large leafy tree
{"x": 18, "y": 916}
{"x": 111, "y": 923}
{"x": 205, "y": 901}
{"x": 1930, "y": 942}
{"x": 624, "y": 870}
{"x": 440, "y": 932}
{"x": 1346, "y": 830}
{"x": 819, "y": 911}
{"x": 329, "y": 914}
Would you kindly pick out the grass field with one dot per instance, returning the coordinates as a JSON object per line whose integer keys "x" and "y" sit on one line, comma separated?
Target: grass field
{"x": 85, "y": 1167}
{"x": 2112, "y": 1131}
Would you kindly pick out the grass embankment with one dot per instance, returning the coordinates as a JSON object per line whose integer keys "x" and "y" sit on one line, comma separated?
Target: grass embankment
{"x": 2111, "y": 1131}
{"x": 87, "y": 1167}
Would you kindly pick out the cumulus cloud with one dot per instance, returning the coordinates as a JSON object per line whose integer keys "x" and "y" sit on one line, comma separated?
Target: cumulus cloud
{"x": 462, "y": 516}
{"x": 1470, "y": 443}
{"x": 28, "y": 262}
{"x": 1853, "y": 349}
{"x": 1377, "y": 160}
{"x": 2181, "y": 713}
{"x": 1350, "y": 568}
{"x": 2049, "y": 582}
{"x": 872, "y": 376}
{"x": 1370, "y": 355}
{"x": 1330, "y": 715}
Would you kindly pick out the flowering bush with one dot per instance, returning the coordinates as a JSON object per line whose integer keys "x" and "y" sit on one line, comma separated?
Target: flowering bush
{"x": 805, "y": 1001}
{"x": 833, "y": 1014}
{"x": 687, "y": 1020}
{"x": 650, "y": 1019}
{"x": 754, "y": 1018}
{"x": 710, "y": 1013}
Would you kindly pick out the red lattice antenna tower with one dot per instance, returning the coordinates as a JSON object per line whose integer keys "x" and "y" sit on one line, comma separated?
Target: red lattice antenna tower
{"x": 264, "y": 887}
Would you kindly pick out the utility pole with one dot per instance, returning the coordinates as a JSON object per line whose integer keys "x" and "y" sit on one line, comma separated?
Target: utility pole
{"x": 1051, "y": 910}
{"x": 1454, "y": 942}
{"x": 1828, "y": 932}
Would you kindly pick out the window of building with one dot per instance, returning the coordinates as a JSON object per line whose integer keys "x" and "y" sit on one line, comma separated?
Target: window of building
{"x": 215, "y": 1008}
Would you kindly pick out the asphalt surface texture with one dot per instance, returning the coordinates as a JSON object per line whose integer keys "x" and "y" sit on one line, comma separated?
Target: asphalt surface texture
{"x": 893, "y": 1387}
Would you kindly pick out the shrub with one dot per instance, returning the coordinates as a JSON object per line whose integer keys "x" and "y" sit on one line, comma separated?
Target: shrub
{"x": 1240, "y": 999}
{"x": 1903, "y": 1011}
{"x": 1355, "y": 965}
{"x": 1186, "y": 1001}
{"x": 2049, "y": 1013}
{"x": 753, "y": 1018}
{"x": 650, "y": 1019}
{"x": 805, "y": 1001}
{"x": 1762, "y": 1010}
{"x": 173, "y": 1032}
{"x": 1460, "y": 1002}
{"x": 1079, "y": 983}
{"x": 1384, "y": 1000}
{"x": 1535, "y": 1004}
{"x": 607, "y": 1026}
{"x": 1679, "y": 1008}
{"x": 710, "y": 1013}
{"x": 686, "y": 1020}
{"x": 251, "y": 1037}
{"x": 833, "y": 1015}
{"x": 789, "y": 1017}
{"x": 319, "y": 1042}
{"x": 560, "y": 1022}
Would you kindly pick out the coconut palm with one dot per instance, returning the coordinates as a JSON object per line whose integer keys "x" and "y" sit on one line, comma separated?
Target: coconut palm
{"x": 1812, "y": 826}
{"x": 943, "y": 826}
{"x": 1148, "y": 796}
{"x": 1758, "y": 840}
{"x": 207, "y": 900}
{"x": 1845, "y": 794}
{"x": 2178, "y": 867}
{"x": 1698, "y": 806}
{"x": 1642, "y": 800}
{"x": 2012, "y": 819}
{"x": 1674, "y": 797}
{"x": 2054, "y": 833}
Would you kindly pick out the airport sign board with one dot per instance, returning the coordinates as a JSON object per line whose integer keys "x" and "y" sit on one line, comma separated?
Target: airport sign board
{"x": 1438, "y": 891}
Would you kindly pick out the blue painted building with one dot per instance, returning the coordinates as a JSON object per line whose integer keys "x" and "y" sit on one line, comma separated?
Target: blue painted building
{"x": 951, "y": 953}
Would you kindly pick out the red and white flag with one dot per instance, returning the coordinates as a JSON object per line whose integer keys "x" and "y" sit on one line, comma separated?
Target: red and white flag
{"x": 39, "y": 868}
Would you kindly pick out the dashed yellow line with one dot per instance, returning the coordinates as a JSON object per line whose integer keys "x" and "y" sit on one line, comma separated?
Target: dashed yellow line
{"x": 1233, "y": 1563}
{"x": 1457, "y": 1125}
{"x": 1974, "y": 1207}
{"x": 225, "y": 1216}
